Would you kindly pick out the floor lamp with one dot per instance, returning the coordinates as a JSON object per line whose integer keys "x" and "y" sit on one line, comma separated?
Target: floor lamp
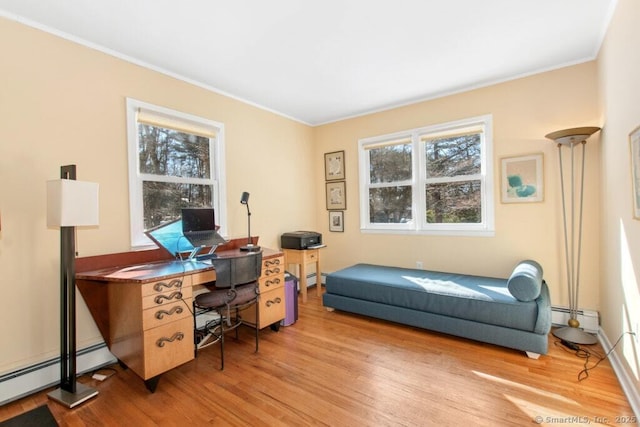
{"x": 70, "y": 203}
{"x": 570, "y": 138}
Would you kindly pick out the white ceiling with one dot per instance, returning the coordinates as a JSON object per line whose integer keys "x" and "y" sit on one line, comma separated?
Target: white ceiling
{"x": 325, "y": 60}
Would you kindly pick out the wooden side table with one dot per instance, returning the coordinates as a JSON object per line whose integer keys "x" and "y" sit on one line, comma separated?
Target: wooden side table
{"x": 303, "y": 257}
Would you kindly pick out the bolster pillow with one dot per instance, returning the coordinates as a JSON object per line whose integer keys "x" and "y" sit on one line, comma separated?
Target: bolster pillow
{"x": 525, "y": 281}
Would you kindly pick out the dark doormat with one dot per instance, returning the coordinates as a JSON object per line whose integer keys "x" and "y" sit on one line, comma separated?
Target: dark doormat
{"x": 39, "y": 417}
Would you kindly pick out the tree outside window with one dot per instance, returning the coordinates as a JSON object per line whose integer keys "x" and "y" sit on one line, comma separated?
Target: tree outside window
{"x": 445, "y": 188}
{"x": 176, "y": 160}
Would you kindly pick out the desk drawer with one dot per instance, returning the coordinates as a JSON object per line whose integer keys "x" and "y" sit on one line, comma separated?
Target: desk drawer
{"x": 167, "y": 346}
{"x": 165, "y": 286}
{"x": 203, "y": 278}
{"x": 311, "y": 255}
{"x": 265, "y": 284}
{"x": 156, "y": 300}
{"x": 277, "y": 261}
{"x": 161, "y": 315}
{"x": 272, "y": 270}
{"x": 271, "y": 306}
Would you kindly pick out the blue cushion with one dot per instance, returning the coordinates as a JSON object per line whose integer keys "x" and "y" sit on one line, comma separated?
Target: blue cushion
{"x": 525, "y": 281}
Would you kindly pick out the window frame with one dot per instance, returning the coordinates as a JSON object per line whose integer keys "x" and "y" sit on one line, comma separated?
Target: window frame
{"x": 418, "y": 224}
{"x": 217, "y": 158}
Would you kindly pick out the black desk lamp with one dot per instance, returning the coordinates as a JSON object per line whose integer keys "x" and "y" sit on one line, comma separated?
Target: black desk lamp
{"x": 250, "y": 247}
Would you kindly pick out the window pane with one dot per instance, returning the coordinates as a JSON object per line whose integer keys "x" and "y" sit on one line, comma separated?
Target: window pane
{"x": 162, "y": 201}
{"x": 173, "y": 153}
{"x": 390, "y": 205}
{"x": 454, "y": 202}
{"x": 453, "y": 156}
{"x": 391, "y": 163}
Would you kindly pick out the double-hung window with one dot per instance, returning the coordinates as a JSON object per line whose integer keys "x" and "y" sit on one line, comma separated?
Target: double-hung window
{"x": 430, "y": 180}
{"x": 176, "y": 160}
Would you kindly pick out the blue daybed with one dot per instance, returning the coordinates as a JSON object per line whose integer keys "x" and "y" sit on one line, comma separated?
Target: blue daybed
{"x": 514, "y": 312}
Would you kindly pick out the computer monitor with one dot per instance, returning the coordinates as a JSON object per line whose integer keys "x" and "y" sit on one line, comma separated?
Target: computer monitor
{"x": 198, "y": 226}
{"x": 198, "y": 219}
{"x": 168, "y": 236}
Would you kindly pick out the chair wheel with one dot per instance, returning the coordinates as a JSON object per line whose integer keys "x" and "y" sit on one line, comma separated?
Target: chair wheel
{"x": 275, "y": 327}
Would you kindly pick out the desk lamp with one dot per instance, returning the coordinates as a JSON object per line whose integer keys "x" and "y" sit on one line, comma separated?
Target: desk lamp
{"x": 70, "y": 203}
{"x": 570, "y": 138}
{"x": 250, "y": 247}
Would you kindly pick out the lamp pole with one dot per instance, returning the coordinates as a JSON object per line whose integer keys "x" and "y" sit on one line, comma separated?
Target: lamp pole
{"x": 70, "y": 393}
{"x": 572, "y": 248}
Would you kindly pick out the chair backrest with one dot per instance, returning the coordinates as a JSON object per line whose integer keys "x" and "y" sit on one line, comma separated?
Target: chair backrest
{"x": 237, "y": 271}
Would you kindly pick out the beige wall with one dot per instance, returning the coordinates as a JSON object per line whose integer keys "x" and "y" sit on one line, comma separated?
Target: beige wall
{"x": 62, "y": 103}
{"x": 523, "y": 111}
{"x": 619, "y": 68}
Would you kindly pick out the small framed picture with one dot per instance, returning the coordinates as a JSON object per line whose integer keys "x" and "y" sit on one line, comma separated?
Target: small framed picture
{"x": 336, "y": 195}
{"x": 522, "y": 179}
{"x": 334, "y": 166}
{"x": 336, "y": 221}
{"x": 634, "y": 143}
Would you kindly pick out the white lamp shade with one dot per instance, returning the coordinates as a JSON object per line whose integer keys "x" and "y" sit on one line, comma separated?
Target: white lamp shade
{"x": 71, "y": 203}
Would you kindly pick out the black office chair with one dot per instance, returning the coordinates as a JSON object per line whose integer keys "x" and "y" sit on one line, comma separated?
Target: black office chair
{"x": 235, "y": 289}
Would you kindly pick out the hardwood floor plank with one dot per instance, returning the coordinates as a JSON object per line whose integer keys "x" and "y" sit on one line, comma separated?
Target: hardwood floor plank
{"x": 335, "y": 369}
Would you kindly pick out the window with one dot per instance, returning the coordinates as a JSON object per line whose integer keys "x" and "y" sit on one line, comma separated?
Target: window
{"x": 431, "y": 180}
{"x": 175, "y": 160}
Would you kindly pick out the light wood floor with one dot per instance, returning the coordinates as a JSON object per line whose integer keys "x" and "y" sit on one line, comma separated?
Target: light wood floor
{"x": 340, "y": 369}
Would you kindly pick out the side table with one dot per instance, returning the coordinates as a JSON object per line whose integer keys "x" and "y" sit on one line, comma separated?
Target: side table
{"x": 302, "y": 257}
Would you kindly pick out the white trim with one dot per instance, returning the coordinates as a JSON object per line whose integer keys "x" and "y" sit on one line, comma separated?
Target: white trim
{"x": 418, "y": 224}
{"x": 627, "y": 382}
{"x": 23, "y": 382}
{"x": 217, "y": 151}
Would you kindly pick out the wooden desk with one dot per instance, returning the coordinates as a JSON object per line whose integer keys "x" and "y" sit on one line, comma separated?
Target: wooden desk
{"x": 143, "y": 309}
{"x": 143, "y": 312}
{"x": 302, "y": 258}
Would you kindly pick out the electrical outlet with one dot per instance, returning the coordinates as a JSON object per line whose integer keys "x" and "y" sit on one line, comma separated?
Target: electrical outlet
{"x": 419, "y": 265}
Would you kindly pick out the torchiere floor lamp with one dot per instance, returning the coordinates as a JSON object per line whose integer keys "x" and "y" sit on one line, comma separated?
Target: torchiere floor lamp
{"x": 572, "y": 247}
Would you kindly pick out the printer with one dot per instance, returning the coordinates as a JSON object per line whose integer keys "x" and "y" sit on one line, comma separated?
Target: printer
{"x": 300, "y": 240}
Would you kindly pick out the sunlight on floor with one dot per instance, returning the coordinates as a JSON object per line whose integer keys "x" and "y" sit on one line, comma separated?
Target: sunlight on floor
{"x": 526, "y": 388}
{"x": 543, "y": 415}
{"x": 540, "y": 413}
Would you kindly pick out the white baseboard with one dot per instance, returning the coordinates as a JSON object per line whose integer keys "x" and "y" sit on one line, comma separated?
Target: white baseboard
{"x": 627, "y": 382}
{"x": 23, "y": 382}
{"x": 588, "y": 319}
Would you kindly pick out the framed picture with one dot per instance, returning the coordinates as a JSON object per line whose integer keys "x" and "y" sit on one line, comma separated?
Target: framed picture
{"x": 336, "y": 221}
{"x": 522, "y": 179}
{"x": 334, "y": 166}
{"x": 336, "y": 195}
{"x": 634, "y": 142}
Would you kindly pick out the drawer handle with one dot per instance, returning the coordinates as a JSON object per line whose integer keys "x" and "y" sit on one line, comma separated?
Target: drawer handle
{"x": 177, "y": 336}
{"x": 161, "y": 313}
{"x": 275, "y": 281}
{"x": 275, "y": 301}
{"x": 269, "y": 263}
{"x": 176, "y": 283}
{"x": 175, "y": 295}
{"x": 274, "y": 271}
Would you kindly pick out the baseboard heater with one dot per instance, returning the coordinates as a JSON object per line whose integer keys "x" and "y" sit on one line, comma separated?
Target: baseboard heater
{"x": 311, "y": 280}
{"x": 28, "y": 380}
{"x": 589, "y": 320}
